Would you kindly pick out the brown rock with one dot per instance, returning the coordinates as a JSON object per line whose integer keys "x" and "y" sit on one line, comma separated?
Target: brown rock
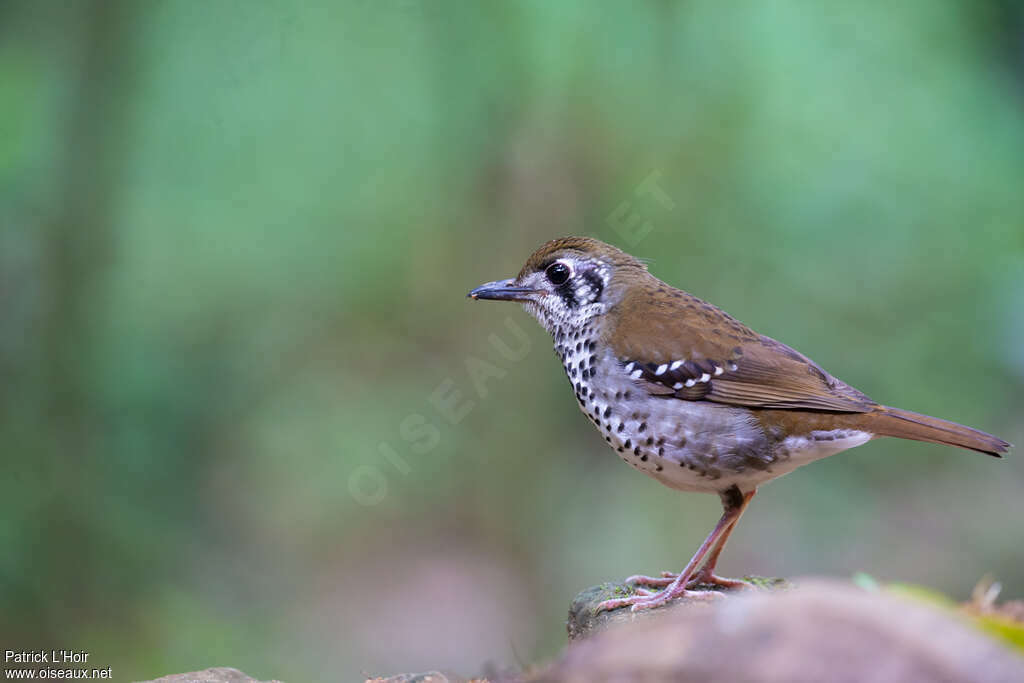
{"x": 426, "y": 677}
{"x": 220, "y": 674}
{"x": 822, "y": 631}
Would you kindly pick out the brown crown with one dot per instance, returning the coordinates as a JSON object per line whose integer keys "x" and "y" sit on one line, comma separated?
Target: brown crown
{"x": 583, "y": 246}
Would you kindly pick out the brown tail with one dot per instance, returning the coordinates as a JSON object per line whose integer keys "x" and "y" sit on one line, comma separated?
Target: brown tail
{"x": 904, "y": 424}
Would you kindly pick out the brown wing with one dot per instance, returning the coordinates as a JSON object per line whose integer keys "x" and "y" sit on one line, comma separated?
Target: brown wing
{"x": 677, "y": 344}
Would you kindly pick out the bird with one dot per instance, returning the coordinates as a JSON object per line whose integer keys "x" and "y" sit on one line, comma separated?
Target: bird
{"x": 692, "y": 397}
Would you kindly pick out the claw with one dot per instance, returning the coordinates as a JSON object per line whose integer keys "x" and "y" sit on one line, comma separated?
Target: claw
{"x": 616, "y": 603}
{"x": 665, "y": 596}
{"x": 709, "y": 579}
{"x": 648, "y": 600}
{"x": 664, "y": 580}
{"x": 675, "y": 587}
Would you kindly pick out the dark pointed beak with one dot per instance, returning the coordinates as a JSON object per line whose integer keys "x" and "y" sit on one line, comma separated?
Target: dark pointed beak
{"x": 502, "y": 290}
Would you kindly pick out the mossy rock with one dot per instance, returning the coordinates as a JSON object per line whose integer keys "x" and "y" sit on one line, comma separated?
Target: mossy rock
{"x": 584, "y": 618}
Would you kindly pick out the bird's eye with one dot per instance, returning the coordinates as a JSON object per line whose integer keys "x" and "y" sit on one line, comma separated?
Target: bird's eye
{"x": 558, "y": 273}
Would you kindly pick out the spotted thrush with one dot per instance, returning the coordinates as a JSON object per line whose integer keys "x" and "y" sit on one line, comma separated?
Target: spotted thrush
{"x": 692, "y": 397}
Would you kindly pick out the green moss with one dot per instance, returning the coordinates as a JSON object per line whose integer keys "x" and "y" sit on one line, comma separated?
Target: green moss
{"x": 922, "y": 594}
{"x": 1008, "y": 630}
{"x": 768, "y": 582}
{"x": 1003, "y": 628}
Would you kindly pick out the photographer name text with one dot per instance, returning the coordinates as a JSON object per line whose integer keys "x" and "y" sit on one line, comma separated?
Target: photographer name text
{"x": 46, "y": 657}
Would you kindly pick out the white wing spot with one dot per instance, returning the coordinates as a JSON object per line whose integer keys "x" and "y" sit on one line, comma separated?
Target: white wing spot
{"x": 718, "y": 370}
{"x": 636, "y": 374}
{"x": 705, "y": 377}
{"x": 629, "y": 368}
{"x": 675, "y": 365}
{"x": 661, "y": 369}
{"x": 733, "y": 367}
{"x": 690, "y": 382}
{"x": 677, "y": 385}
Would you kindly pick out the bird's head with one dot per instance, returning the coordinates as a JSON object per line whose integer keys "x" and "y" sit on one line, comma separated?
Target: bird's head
{"x": 568, "y": 282}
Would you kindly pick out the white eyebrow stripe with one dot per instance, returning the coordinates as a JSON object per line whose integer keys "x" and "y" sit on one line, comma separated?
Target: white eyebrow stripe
{"x": 675, "y": 365}
{"x": 661, "y": 369}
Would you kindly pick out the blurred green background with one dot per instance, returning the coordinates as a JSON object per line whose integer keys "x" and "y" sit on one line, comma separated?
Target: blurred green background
{"x": 235, "y": 242}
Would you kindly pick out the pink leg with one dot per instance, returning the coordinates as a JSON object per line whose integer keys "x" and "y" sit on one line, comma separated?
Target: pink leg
{"x": 706, "y": 574}
{"x": 733, "y": 503}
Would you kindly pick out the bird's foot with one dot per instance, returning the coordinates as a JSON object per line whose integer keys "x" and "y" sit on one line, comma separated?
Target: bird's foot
{"x": 645, "y": 599}
{"x": 706, "y": 578}
{"x": 701, "y": 578}
{"x": 662, "y": 581}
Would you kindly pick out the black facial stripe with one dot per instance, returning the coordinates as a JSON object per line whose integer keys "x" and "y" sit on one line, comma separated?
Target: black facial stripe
{"x": 594, "y": 280}
{"x": 568, "y": 293}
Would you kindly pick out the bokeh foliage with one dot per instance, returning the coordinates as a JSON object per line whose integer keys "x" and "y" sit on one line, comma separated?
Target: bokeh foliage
{"x": 235, "y": 240}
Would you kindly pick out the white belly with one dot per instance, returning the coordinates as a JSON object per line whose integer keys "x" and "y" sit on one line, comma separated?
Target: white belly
{"x": 686, "y": 445}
